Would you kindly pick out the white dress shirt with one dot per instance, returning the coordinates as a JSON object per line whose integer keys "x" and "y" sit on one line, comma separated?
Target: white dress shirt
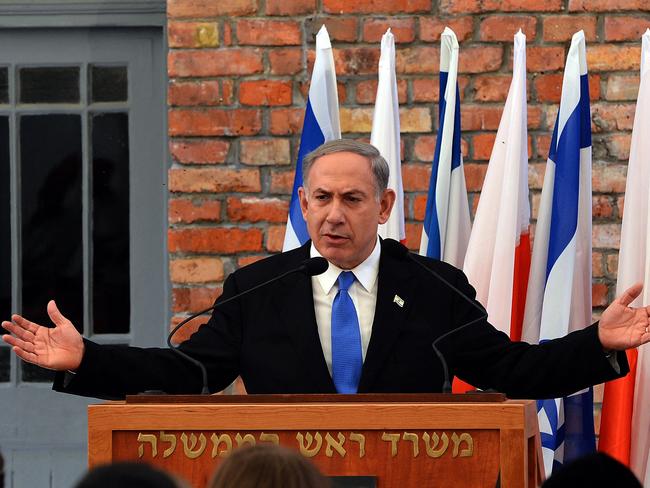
{"x": 363, "y": 293}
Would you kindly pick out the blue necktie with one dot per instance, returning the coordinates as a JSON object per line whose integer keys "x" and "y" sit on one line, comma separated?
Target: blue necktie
{"x": 346, "y": 338}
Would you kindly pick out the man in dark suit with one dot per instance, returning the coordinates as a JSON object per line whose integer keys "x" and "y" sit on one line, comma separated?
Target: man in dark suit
{"x": 365, "y": 325}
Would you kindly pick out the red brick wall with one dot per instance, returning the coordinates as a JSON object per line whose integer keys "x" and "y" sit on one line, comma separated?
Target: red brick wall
{"x": 239, "y": 71}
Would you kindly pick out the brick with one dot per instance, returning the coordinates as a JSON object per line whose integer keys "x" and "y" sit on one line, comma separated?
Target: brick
{"x": 294, "y": 7}
{"x": 550, "y": 115}
{"x": 548, "y": 88}
{"x": 424, "y": 148}
{"x": 265, "y": 92}
{"x": 227, "y": 34}
{"x": 480, "y": 117}
{"x": 608, "y": 177}
{"x": 355, "y": 120}
{"x": 286, "y": 121}
{"x": 220, "y": 62}
{"x": 356, "y": 61}
{"x": 376, "y": 6}
{"x": 607, "y": 5}
{"x": 402, "y": 28}
{"x": 479, "y": 59}
{"x": 188, "y": 329}
{"x": 262, "y": 152}
{"x": 618, "y": 146}
{"x": 426, "y": 89}
{"x": 602, "y": 207}
{"x": 258, "y": 32}
{"x": 622, "y": 87}
{"x": 196, "y": 270}
{"x": 597, "y": 266}
{"x": 611, "y": 57}
{"x": 282, "y": 182}
{"x": 475, "y": 6}
{"x": 560, "y": 28}
{"x": 415, "y": 177}
{"x": 599, "y": 295}
{"x": 417, "y": 60}
{"x": 504, "y": 27}
{"x": 543, "y": 144}
{"x": 343, "y": 29}
{"x": 286, "y": 61}
{"x": 186, "y": 211}
{"x": 543, "y": 58}
{"x": 257, "y": 209}
{"x": 246, "y": 260}
{"x": 366, "y": 91}
{"x": 625, "y": 28}
{"x": 431, "y": 28}
{"x": 612, "y": 265}
{"x": 419, "y": 207}
{"x": 275, "y": 238}
{"x": 227, "y": 89}
{"x": 214, "y": 122}
{"x": 194, "y": 299}
{"x": 416, "y": 119}
{"x": 192, "y": 34}
{"x": 491, "y": 88}
{"x": 606, "y": 236}
{"x": 482, "y": 145}
{"x": 189, "y": 93}
{"x": 207, "y": 151}
{"x": 210, "y": 8}
{"x": 214, "y": 180}
{"x": 220, "y": 240}
{"x": 612, "y": 117}
{"x": 474, "y": 175}
{"x": 413, "y": 236}
{"x": 534, "y": 117}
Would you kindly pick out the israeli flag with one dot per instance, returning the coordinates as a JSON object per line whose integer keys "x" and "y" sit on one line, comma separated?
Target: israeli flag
{"x": 446, "y": 222}
{"x": 321, "y": 124}
{"x": 559, "y": 289}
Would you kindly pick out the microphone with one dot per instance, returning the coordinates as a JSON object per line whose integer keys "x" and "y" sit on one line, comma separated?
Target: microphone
{"x": 399, "y": 250}
{"x": 309, "y": 267}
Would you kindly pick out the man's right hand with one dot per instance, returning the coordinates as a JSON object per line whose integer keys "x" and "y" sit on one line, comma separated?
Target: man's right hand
{"x": 60, "y": 348}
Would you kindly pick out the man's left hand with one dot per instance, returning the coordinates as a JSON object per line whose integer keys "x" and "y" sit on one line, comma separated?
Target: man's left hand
{"x": 623, "y": 327}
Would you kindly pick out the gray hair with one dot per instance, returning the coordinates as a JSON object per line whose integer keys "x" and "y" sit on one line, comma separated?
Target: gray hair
{"x": 378, "y": 164}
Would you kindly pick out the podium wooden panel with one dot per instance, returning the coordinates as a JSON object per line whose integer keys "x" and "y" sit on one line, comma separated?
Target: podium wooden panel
{"x": 401, "y": 440}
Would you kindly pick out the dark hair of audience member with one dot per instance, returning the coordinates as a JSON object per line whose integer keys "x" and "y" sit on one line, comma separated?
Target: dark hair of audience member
{"x": 595, "y": 471}
{"x": 127, "y": 475}
{"x": 267, "y": 466}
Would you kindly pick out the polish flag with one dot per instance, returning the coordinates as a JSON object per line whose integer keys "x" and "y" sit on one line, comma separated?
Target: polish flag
{"x": 625, "y": 420}
{"x": 498, "y": 254}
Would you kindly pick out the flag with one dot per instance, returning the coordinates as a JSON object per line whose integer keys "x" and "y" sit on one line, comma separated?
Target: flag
{"x": 498, "y": 253}
{"x": 625, "y": 420}
{"x": 446, "y": 222}
{"x": 321, "y": 124}
{"x": 559, "y": 289}
{"x": 385, "y": 135}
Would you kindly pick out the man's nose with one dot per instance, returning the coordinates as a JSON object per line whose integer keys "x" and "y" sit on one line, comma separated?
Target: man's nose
{"x": 335, "y": 214}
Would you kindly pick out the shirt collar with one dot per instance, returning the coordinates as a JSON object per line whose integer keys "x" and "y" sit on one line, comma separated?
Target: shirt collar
{"x": 365, "y": 273}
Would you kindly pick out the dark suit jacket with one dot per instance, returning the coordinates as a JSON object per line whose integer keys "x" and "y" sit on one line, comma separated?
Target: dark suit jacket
{"x": 270, "y": 338}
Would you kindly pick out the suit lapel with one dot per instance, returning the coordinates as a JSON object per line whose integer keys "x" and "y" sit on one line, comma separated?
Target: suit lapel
{"x": 297, "y": 311}
{"x": 395, "y": 294}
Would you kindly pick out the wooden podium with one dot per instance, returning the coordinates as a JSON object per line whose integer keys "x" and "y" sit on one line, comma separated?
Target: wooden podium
{"x": 399, "y": 440}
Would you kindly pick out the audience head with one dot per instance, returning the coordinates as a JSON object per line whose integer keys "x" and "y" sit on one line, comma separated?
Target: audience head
{"x": 595, "y": 470}
{"x": 267, "y": 466}
{"x": 127, "y": 475}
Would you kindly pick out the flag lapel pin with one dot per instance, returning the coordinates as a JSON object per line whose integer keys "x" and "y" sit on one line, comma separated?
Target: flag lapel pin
{"x": 397, "y": 299}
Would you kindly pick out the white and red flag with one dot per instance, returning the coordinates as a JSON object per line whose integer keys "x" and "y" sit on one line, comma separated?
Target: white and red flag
{"x": 625, "y": 420}
{"x": 498, "y": 254}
